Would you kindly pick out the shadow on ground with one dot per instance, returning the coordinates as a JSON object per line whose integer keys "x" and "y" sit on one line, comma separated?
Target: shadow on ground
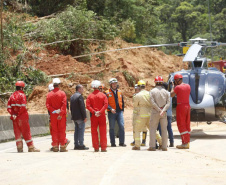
{"x": 200, "y": 134}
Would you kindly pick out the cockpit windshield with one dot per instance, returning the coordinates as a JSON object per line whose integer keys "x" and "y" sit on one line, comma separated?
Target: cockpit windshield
{"x": 197, "y": 63}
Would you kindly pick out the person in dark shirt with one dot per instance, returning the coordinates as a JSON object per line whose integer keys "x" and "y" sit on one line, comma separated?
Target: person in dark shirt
{"x": 78, "y": 115}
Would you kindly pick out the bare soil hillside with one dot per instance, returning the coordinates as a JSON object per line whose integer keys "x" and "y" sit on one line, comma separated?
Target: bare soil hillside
{"x": 145, "y": 64}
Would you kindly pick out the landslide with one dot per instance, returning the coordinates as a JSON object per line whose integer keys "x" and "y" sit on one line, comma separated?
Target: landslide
{"x": 144, "y": 63}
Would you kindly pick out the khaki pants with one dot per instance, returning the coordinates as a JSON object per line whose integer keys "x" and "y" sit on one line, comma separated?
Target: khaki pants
{"x": 133, "y": 124}
{"x": 139, "y": 126}
{"x": 154, "y": 121}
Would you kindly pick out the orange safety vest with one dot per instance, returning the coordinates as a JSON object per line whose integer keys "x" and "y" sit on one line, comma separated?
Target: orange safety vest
{"x": 111, "y": 98}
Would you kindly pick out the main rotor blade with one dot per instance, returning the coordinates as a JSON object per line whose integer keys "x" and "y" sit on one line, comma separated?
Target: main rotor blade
{"x": 221, "y": 44}
{"x": 192, "y": 53}
{"x": 135, "y": 47}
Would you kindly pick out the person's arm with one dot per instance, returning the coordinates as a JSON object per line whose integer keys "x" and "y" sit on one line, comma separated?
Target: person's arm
{"x": 109, "y": 107}
{"x": 167, "y": 103}
{"x": 88, "y": 106}
{"x": 105, "y": 106}
{"x": 173, "y": 91}
{"x": 63, "y": 109}
{"x": 9, "y": 108}
{"x": 154, "y": 105}
{"x": 82, "y": 106}
{"x": 123, "y": 103}
{"x": 48, "y": 104}
{"x": 136, "y": 101}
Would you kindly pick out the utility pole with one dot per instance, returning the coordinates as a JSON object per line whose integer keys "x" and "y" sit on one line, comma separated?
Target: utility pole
{"x": 1, "y": 24}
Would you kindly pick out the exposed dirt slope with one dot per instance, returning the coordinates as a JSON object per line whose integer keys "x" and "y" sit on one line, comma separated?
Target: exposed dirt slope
{"x": 145, "y": 64}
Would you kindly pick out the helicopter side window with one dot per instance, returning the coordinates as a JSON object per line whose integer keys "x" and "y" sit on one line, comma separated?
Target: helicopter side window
{"x": 204, "y": 65}
{"x": 216, "y": 85}
{"x": 197, "y": 63}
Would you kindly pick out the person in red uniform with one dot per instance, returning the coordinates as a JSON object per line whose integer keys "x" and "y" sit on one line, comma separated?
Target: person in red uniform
{"x": 50, "y": 128}
{"x": 97, "y": 103}
{"x": 56, "y": 103}
{"x": 19, "y": 115}
{"x": 182, "y": 91}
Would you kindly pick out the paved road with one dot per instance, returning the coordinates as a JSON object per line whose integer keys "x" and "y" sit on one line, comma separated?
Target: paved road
{"x": 204, "y": 163}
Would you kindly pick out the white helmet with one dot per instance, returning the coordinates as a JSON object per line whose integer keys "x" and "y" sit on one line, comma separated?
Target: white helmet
{"x": 113, "y": 80}
{"x": 51, "y": 87}
{"x": 95, "y": 84}
{"x": 56, "y": 81}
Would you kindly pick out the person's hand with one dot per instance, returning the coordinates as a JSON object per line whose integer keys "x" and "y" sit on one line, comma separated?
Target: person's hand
{"x": 97, "y": 113}
{"x": 173, "y": 85}
{"x": 57, "y": 111}
{"x": 85, "y": 120}
{"x": 59, "y": 117}
{"x": 113, "y": 111}
{"x": 162, "y": 113}
{"x": 14, "y": 117}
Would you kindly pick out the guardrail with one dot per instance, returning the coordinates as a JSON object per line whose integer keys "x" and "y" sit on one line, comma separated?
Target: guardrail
{"x": 39, "y": 124}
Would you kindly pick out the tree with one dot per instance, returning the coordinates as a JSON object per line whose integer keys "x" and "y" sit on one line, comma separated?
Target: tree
{"x": 219, "y": 27}
{"x": 186, "y": 18}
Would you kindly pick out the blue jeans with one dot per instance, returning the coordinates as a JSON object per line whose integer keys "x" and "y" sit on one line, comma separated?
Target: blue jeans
{"x": 79, "y": 134}
{"x": 169, "y": 129}
{"x": 112, "y": 119}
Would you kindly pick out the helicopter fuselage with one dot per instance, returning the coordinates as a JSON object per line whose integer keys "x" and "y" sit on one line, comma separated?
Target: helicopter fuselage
{"x": 207, "y": 98}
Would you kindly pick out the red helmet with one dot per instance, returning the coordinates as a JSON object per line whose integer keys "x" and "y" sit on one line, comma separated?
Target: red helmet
{"x": 158, "y": 79}
{"x": 20, "y": 84}
{"x": 177, "y": 76}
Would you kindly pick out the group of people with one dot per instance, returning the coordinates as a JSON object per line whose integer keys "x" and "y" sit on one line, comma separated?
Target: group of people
{"x": 152, "y": 110}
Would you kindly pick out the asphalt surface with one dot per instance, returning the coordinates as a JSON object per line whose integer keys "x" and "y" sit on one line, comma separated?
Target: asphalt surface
{"x": 204, "y": 163}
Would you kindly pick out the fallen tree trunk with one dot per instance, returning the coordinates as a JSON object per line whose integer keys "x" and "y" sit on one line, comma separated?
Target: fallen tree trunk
{"x": 6, "y": 94}
{"x": 59, "y": 75}
{"x": 42, "y": 18}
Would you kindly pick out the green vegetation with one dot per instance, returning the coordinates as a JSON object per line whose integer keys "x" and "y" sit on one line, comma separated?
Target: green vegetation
{"x": 138, "y": 21}
{"x": 75, "y": 23}
{"x": 131, "y": 80}
{"x": 9, "y": 74}
{"x": 12, "y": 70}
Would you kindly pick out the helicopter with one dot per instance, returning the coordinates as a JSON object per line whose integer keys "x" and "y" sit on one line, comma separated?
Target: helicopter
{"x": 208, "y": 85}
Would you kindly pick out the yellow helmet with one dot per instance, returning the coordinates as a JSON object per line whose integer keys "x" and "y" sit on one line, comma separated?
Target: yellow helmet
{"x": 141, "y": 83}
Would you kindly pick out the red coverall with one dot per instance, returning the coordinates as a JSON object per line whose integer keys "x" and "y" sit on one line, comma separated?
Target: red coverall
{"x": 183, "y": 111}
{"x": 17, "y": 106}
{"x": 56, "y": 99}
{"x": 97, "y": 101}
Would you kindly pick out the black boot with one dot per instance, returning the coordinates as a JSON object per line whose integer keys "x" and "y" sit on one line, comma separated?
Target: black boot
{"x": 144, "y": 139}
